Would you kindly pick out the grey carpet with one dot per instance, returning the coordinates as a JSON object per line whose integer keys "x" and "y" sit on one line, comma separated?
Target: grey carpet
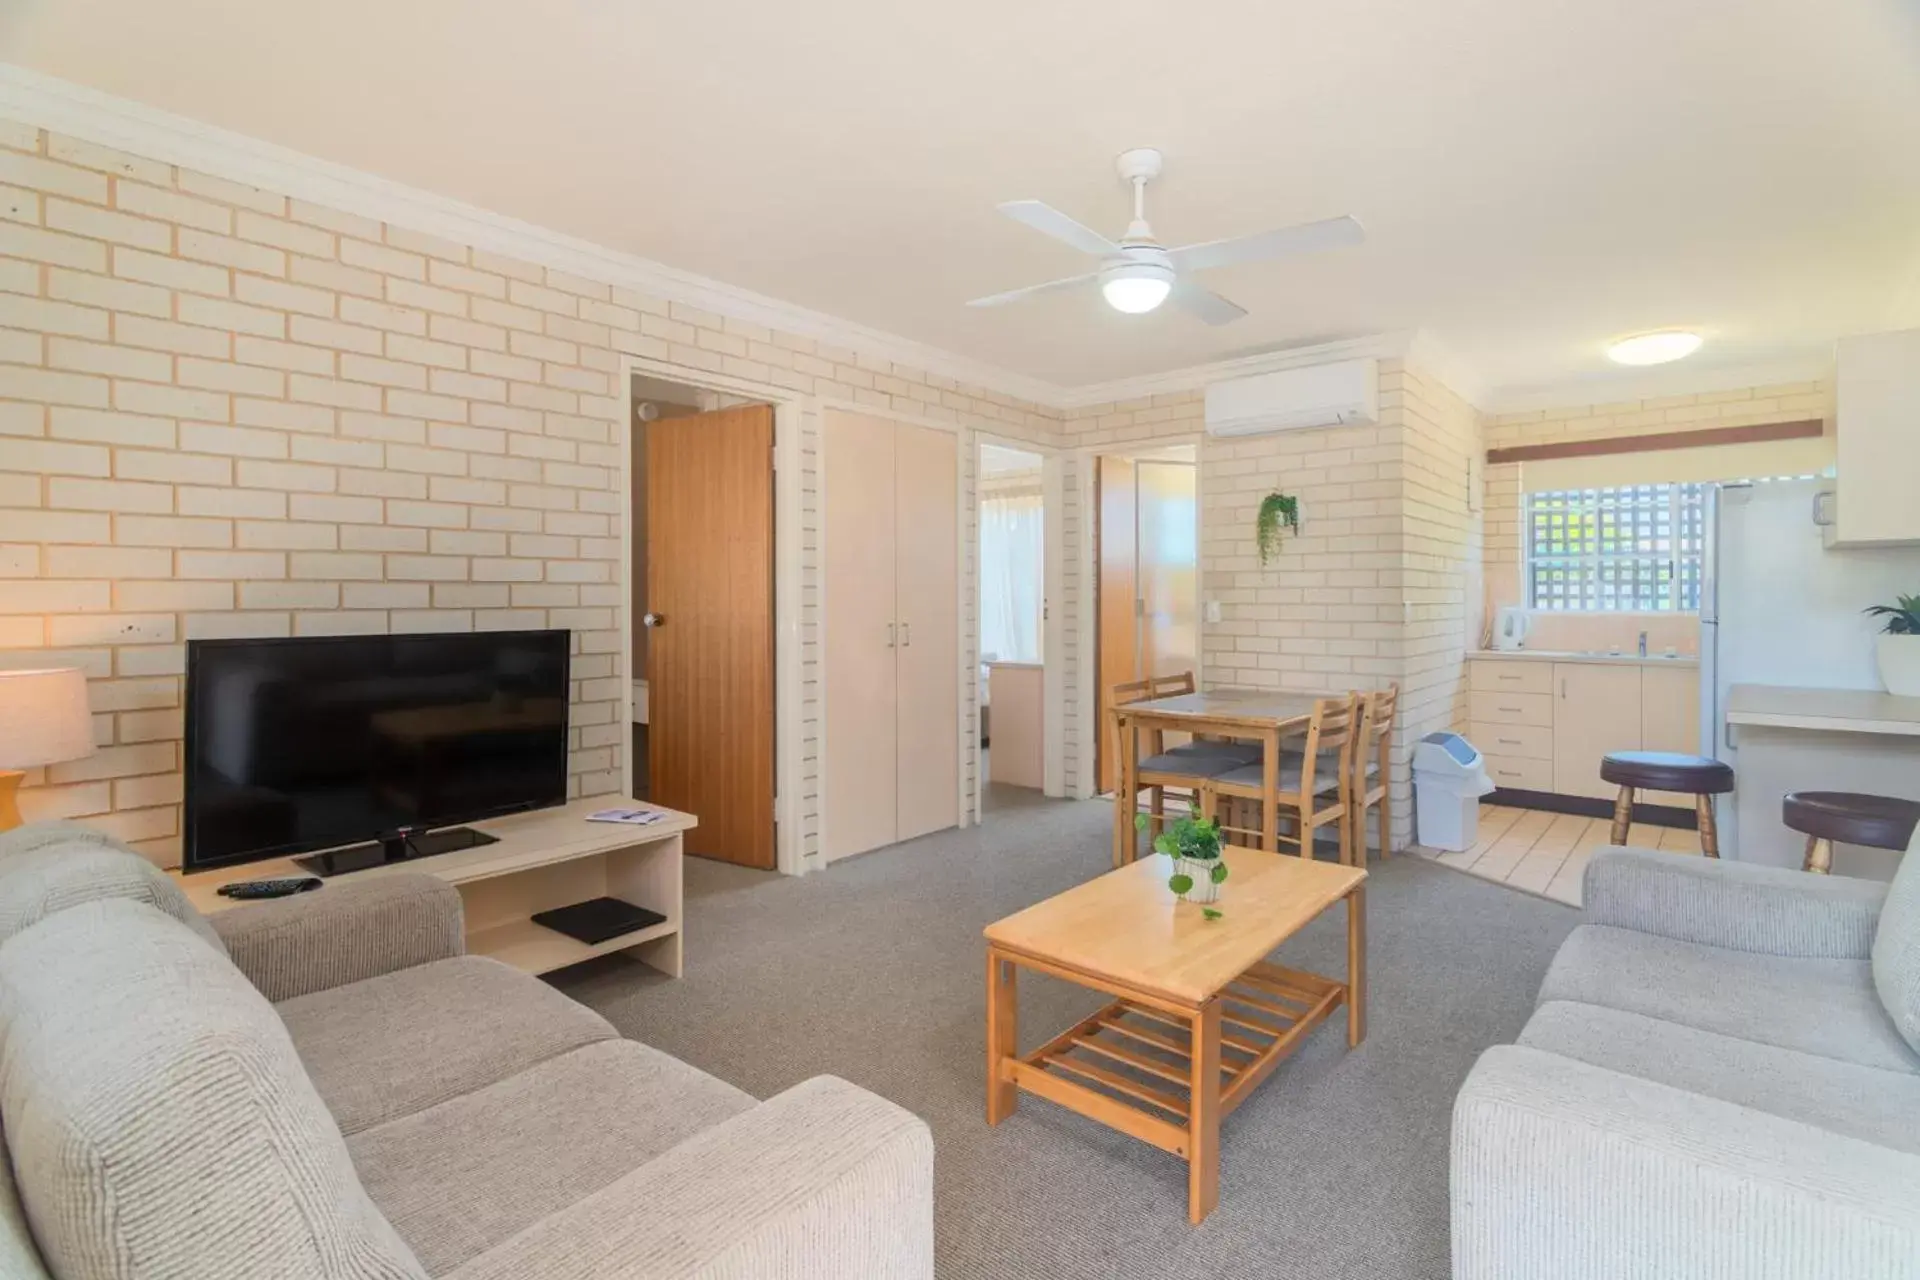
{"x": 874, "y": 970}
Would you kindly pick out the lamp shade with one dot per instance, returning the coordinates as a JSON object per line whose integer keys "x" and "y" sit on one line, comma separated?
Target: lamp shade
{"x": 44, "y": 717}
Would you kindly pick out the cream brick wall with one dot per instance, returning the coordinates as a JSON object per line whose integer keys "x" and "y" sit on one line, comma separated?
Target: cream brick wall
{"x": 226, "y": 412}
{"x": 1741, "y": 407}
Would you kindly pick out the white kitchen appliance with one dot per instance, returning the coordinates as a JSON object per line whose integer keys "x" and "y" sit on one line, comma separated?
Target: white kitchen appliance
{"x": 1778, "y": 607}
{"x": 1510, "y": 628}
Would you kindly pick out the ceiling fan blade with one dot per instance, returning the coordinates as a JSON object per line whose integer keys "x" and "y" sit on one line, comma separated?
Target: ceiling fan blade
{"x": 1308, "y": 237}
{"x": 1205, "y": 303}
{"x": 1034, "y": 290}
{"x": 1049, "y": 221}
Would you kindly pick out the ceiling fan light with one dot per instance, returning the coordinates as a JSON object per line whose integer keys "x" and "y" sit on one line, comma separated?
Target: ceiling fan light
{"x": 1137, "y": 288}
{"x": 1654, "y": 348}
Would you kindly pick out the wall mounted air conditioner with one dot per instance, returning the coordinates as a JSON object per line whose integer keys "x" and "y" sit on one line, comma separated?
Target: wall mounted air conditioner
{"x": 1323, "y": 395}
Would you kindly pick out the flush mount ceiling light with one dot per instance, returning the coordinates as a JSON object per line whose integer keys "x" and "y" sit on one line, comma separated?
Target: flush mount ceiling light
{"x": 1654, "y": 348}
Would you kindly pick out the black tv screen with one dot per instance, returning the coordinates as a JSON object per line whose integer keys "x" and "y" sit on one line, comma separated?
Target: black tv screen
{"x": 295, "y": 745}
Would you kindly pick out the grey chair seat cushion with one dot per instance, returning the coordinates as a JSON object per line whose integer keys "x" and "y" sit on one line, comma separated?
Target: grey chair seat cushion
{"x": 460, "y": 1177}
{"x": 1244, "y": 752}
{"x": 399, "y": 1043}
{"x": 1251, "y": 775}
{"x": 158, "y": 1118}
{"x": 1197, "y": 767}
{"x": 1868, "y": 1103}
{"x": 1822, "y": 1007}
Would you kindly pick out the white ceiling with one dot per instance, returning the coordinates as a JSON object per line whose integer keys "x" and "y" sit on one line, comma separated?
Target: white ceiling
{"x": 1536, "y": 176}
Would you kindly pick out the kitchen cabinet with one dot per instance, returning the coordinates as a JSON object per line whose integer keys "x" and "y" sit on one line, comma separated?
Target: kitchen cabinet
{"x": 1876, "y": 403}
{"x": 1596, "y": 710}
{"x": 1543, "y": 725}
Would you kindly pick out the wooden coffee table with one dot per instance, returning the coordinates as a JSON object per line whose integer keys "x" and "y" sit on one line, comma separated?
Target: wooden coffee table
{"x": 1199, "y": 1018}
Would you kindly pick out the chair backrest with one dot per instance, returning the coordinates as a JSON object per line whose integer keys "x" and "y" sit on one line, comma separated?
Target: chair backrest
{"x": 1172, "y": 686}
{"x": 1334, "y": 728}
{"x": 1382, "y": 706}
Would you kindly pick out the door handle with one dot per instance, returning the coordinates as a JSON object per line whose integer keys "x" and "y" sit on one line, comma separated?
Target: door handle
{"x": 906, "y": 636}
{"x": 890, "y": 627}
{"x": 1563, "y": 689}
{"x": 654, "y": 619}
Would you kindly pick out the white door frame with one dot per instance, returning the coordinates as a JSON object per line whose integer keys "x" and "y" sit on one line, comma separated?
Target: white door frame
{"x": 1053, "y": 685}
{"x": 788, "y": 407}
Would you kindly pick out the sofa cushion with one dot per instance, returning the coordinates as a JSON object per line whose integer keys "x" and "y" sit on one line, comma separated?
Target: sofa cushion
{"x": 158, "y": 1118}
{"x": 458, "y": 1178}
{"x": 19, "y": 1257}
{"x": 399, "y": 1043}
{"x": 49, "y": 866}
{"x": 1822, "y": 1007}
{"x": 1869, "y": 1103}
{"x": 1896, "y": 948}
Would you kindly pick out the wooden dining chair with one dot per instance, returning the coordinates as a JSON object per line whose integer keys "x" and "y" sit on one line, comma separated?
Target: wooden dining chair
{"x": 1180, "y": 769}
{"x": 1183, "y": 682}
{"x": 1372, "y": 758}
{"x": 1314, "y": 788}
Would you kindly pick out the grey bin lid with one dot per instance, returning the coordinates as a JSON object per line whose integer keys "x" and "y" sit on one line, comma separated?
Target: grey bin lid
{"x": 1437, "y": 751}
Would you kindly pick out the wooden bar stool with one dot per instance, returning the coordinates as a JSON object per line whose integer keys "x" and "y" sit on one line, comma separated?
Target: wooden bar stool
{"x": 1879, "y": 822}
{"x": 1697, "y": 776}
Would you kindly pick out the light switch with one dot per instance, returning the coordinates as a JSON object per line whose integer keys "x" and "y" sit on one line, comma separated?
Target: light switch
{"x": 1211, "y": 611}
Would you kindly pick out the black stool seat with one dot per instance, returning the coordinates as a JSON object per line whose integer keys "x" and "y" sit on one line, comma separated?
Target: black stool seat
{"x": 1667, "y": 771}
{"x": 1879, "y": 822}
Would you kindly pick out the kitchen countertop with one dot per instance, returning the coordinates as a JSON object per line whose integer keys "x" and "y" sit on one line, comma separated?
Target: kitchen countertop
{"x": 1832, "y": 710}
{"x": 1602, "y": 659}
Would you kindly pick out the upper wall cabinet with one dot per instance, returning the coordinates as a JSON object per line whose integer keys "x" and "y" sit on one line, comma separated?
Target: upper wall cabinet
{"x": 1877, "y": 426}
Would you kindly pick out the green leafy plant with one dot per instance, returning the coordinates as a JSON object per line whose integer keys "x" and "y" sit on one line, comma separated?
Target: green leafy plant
{"x": 1194, "y": 840}
{"x": 1279, "y": 513}
{"x": 1902, "y": 617}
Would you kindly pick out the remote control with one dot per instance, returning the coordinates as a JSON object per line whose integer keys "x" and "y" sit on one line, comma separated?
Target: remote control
{"x": 279, "y": 888}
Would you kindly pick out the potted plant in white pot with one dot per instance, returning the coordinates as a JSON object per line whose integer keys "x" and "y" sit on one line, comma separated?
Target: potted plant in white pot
{"x": 1897, "y": 651}
{"x": 1198, "y": 869}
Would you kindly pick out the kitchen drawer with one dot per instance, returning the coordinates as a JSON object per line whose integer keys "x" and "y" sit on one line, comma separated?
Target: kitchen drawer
{"x": 1517, "y": 741}
{"x": 1518, "y": 774}
{"x": 1493, "y": 707}
{"x": 1511, "y": 676}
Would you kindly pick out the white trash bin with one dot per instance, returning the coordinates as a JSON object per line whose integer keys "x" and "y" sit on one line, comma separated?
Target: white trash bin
{"x": 1449, "y": 777}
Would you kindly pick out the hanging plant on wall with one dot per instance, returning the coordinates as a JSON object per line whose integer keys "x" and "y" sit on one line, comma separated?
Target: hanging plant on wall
{"x": 1279, "y": 513}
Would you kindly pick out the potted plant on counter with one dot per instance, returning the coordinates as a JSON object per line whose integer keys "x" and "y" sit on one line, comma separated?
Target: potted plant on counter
{"x": 1198, "y": 868}
{"x": 1897, "y": 651}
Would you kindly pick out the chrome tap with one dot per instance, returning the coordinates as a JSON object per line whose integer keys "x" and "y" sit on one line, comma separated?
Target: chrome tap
{"x": 1643, "y": 644}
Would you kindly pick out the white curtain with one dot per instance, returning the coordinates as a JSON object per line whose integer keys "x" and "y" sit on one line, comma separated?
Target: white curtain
{"x": 1012, "y": 547}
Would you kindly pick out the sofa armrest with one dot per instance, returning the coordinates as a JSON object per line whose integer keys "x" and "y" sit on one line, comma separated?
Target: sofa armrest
{"x": 342, "y": 932}
{"x": 1774, "y": 910}
{"x": 1564, "y": 1169}
{"x": 825, "y": 1179}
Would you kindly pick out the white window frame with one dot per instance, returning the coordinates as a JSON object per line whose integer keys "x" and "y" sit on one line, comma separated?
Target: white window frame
{"x": 1611, "y": 507}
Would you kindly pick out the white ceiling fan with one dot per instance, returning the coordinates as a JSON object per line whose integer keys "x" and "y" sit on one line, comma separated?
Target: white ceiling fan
{"x": 1137, "y": 275}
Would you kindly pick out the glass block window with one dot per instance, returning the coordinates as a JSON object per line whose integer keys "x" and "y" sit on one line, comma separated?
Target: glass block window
{"x": 1634, "y": 548}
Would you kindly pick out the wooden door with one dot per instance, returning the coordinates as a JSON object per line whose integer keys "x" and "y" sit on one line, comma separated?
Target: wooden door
{"x": 1118, "y": 592}
{"x": 1596, "y": 709}
{"x": 926, "y": 544}
{"x": 1167, "y": 549}
{"x": 861, "y": 635}
{"x": 709, "y": 552}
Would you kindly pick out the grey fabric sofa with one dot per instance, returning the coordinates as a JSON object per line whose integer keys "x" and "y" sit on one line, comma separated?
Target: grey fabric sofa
{"x": 1720, "y": 1080}
{"x": 325, "y": 1086}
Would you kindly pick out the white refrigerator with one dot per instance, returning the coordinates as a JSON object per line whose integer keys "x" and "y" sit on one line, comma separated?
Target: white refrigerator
{"x": 1778, "y": 607}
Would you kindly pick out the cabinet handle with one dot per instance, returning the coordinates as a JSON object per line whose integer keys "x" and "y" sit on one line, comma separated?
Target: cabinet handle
{"x": 1563, "y": 688}
{"x": 890, "y": 627}
{"x": 1508, "y": 742}
{"x": 1501, "y": 677}
{"x": 1514, "y": 710}
{"x": 906, "y": 636}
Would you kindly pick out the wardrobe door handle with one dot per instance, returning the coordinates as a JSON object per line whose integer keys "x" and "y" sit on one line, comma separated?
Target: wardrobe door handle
{"x": 906, "y": 635}
{"x": 890, "y": 627}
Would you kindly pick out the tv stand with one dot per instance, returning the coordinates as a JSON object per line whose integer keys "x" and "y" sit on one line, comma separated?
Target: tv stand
{"x": 399, "y": 847}
{"x": 534, "y": 863}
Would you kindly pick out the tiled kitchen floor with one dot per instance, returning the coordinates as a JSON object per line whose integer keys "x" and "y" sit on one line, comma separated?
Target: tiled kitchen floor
{"x": 1547, "y": 853}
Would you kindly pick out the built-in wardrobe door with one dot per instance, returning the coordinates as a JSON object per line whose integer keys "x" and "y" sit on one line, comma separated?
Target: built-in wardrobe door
{"x": 1167, "y": 569}
{"x": 860, "y": 634}
{"x": 927, "y": 581}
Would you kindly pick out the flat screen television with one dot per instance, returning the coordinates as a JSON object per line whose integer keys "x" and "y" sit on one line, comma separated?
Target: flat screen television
{"x": 296, "y": 745}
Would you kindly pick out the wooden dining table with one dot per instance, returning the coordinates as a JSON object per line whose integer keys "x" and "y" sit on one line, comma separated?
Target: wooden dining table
{"x": 1265, "y": 716}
